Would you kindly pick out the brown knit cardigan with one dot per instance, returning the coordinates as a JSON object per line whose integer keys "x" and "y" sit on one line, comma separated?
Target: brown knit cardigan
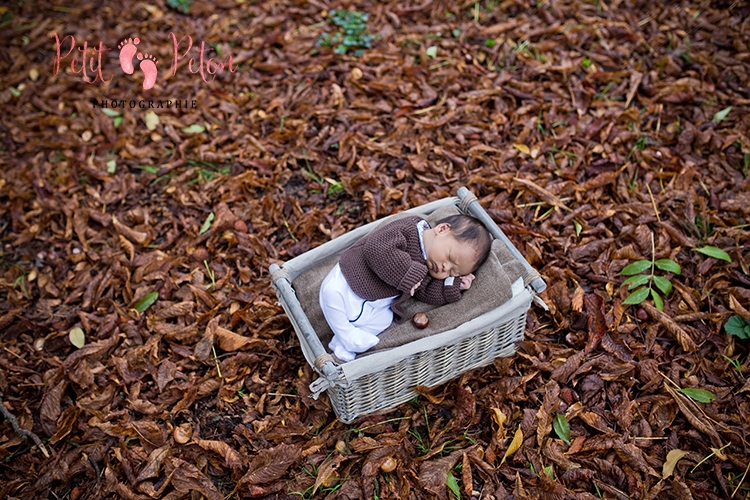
{"x": 389, "y": 261}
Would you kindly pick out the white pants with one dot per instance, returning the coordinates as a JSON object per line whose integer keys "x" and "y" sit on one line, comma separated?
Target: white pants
{"x": 356, "y": 322}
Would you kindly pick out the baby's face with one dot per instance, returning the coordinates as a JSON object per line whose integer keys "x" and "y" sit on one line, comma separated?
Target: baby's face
{"x": 446, "y": 256}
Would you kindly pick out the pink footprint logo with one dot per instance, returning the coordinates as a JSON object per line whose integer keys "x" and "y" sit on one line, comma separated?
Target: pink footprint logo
{"x": 127, "y": 51}
{"x": 148, "y": 66}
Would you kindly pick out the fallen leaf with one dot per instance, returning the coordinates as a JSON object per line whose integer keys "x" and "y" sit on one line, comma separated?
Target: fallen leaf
{"x": 152, "y": 120}
{"x": 270, "y": 464}
{"x": 77, "y": 337}
{"x": 231, "y": 457}
{"x": 500, "y": 418}
{"x": 514, "y": 445}
{"x": 194, "y": 129}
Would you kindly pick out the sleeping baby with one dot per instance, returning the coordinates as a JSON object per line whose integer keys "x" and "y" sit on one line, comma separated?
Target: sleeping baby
{"x": 362, "y": 295}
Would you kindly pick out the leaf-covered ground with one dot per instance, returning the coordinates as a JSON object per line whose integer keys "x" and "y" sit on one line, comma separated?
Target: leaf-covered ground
{"x": 593, "y": 132}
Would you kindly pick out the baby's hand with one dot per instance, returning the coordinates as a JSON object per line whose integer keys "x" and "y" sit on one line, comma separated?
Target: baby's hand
{"x": 466, "y": 281}
{"x": 414, "y": 288}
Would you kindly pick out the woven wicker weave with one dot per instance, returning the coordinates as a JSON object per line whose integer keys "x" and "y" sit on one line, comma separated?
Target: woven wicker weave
{"x": 386, "y": 379}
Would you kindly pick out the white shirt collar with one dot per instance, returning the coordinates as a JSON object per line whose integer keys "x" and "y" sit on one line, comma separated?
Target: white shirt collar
{"x": 422, "y": 226}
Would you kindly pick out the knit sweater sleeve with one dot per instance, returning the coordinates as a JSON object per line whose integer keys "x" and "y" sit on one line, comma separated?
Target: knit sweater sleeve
{"x": 386, "y": 253}
{"x": 436, "y": 292}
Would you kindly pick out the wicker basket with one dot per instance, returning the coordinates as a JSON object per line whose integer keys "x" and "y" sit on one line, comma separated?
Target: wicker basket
{"x": 386, "y": 379}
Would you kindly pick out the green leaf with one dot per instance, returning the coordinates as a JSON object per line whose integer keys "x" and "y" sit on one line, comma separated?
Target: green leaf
{"x": 151, "y": 169}
{"x": 112, "y": 166}
{"x": 111, "y": 112}
{"x": 146, "y": 302}
{"x": 663, "y": 284}
{"x": 452, "y": 484}
{"x": 578, "y": 227}
{"x": 118, "y": 121}
{"x": 636, "y": 267}
{"x": 77, "y": 337}
{"x": 636, "y": 297}
{"x": 432, "y": 52}
{"x": 668, "y": 265}
{"x": 737, "y": 326}
{"x": 716, "y": 253}
{"x": 700, "y": 395}
{"x": 562, "y": 428}
{"x": 722, "y": 114}
{"x": 636, "y": 281}
{"x": 194, "y": 129}
{"x": 550, "y": 472}
{"x": 15, "y": 92}
{"x": 207, "y": 225}
{"x": 657, "y": 300}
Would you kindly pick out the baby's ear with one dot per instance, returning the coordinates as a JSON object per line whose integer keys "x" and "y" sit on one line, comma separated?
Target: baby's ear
{"x": 441, "y": 228}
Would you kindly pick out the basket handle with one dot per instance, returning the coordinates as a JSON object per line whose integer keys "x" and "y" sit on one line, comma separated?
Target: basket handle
{"x": 323, "y": 360}
{"x": 469, "y": 203}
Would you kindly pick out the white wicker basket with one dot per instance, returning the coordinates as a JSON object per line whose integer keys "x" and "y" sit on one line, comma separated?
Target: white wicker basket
{"x": 386, "y": 379}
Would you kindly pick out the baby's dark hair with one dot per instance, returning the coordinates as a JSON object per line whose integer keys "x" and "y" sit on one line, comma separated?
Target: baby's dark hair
{"x": 466, "y": 228}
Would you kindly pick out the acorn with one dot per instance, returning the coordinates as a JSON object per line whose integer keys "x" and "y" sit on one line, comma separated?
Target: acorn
{"x": 641, "y": 314}
{"x": 200, "y": 254}
{"x": 420, "y": 320}
{"x": 389, "y": 463}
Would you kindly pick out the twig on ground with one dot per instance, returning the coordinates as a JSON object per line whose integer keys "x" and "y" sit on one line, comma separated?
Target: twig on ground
{"x": 22, "y": 432}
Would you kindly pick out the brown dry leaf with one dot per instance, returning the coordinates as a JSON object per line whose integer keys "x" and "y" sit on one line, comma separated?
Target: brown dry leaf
{"x": 466, "y": 476}
{"x": 136, "y": 236}
{"x": 230, "y": 455}
{"x": 500, "y": 418}
{"x": 735, "y": 306}
{"x": 673, "y": 457}
{"x": 65, "y": 423}
{"x": 51, "y": 402}
{"x": 564, "y": 372}
{"x": 154, "y": 463}
{"x": 694, "y": 415}
{"x": 186, "y": 478}
{"x": 577, "y": 300}
{"x": 204, "y": 348}
{"x": 427, "y": 393}
{"x": 686, "y": 342}
{"x": 612, "y": 343}
{"x": 546, "y": 195}
{"x": 270, "y": 464}
{"x": 150, "y": 431}
{"x": 465, "y": 404}
{"x": 633, "y": 456}
{"x": 176, "y": 310}
{"x": 434, "y": 473}
{"x": 229, "y": 341}
{"x": 327, "y": 472}
{"x": 127, "y": 246}
{"x": 594, "y": 320}
{"x": 165, "y": 374}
